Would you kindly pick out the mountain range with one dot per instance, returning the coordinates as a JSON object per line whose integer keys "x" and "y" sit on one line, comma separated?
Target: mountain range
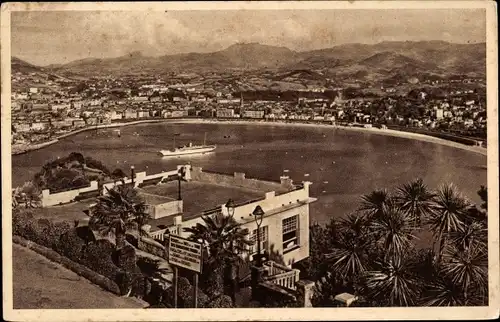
{"x": 385, "y": 59}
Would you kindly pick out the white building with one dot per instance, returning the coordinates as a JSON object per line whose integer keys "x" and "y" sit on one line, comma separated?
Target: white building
{"x": 285, "y": 223}
{"x": 439, "y": 113}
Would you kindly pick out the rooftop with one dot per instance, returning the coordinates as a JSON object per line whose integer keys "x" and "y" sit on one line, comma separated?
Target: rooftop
{"x": 154, "y": 199}
{"x": 201, "y": 196}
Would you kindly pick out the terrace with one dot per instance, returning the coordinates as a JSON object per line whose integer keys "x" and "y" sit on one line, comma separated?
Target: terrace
{"x": 198, "y": 197}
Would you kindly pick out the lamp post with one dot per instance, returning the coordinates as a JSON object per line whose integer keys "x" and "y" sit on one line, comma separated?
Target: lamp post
{"x": 231, "y": 278}
{"x": 258, "y": 214}
{"x": 132, "y": 174}
{"x": 180, "y": 175}
{"x": 230, "y": 207}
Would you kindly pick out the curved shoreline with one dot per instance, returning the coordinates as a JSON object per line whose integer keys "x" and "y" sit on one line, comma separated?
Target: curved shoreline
{"x": 388, "y": 132}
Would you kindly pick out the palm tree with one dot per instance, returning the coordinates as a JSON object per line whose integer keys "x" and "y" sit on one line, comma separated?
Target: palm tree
{"x": 392, "y": 284}
{"x": 443, "y": 292}
{"x": 393, "y": 230}
{"x": 416, "y": 199}
{"x": 448, "y": 216}
{"x": 118, "y": 211}
{"x": 472, "y": 234}
{"x": 351, "y": 247}
{"x": 467, "y": 268}
{"x": 373, "y": 203}
{"x": 223, "y": 240}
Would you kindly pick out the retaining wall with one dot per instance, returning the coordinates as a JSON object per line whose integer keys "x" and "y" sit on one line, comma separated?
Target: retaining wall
{"x": 238, "y": 179}
{"x": 52, "y": 199}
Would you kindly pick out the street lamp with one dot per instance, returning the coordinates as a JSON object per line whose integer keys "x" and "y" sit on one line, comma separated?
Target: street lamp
{"x": 132, "y": 174}
{"x": 180, "y": 176}
{"x": 230, "y": 207}
{"x": 258, "y": 214}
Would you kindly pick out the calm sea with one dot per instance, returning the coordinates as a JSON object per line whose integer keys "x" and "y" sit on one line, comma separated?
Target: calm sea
{"x": 342, "y": 164}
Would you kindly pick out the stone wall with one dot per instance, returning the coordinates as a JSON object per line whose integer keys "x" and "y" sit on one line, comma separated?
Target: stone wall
{"x": 151, "y": 246}
{"x": 167, "y": 209}
{"x": 52, "y": 199}
{"x": 238, "y": 179}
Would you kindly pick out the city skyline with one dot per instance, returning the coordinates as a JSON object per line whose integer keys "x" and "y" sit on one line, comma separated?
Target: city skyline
{"x": 59, "y": 37}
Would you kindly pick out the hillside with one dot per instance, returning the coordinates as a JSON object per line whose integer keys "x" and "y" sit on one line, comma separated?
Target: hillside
{"x": 412, "y": 59}
{"x": 21, "y": 66}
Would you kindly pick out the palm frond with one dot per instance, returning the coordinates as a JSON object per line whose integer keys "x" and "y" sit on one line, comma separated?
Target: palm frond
{"x": 416, "y": 199}
{"x": 373, "y": 203}
{"x": 392, "y": 284}
{"x": 467, "y": 268}
{"x": 393, "y": 229}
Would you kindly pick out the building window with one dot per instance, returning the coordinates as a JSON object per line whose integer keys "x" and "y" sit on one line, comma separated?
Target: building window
{"x": 263, "y": 235}
{"x": 290, "y": 233}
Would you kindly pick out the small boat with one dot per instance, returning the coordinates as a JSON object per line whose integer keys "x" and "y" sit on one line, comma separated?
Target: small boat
{"x": 188, "y": 149}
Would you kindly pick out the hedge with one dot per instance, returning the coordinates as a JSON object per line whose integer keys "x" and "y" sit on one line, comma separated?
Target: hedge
{"x": 81, "y": 270}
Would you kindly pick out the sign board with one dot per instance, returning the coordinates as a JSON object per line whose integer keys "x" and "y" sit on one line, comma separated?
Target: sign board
{"x": 185, "y": 253}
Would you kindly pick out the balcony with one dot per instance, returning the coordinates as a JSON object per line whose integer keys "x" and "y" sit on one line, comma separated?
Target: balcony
{"x": 281, "y": 275}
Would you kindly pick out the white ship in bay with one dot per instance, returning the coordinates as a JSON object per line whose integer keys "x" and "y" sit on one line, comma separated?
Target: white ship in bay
{"x": 188, "y": 149}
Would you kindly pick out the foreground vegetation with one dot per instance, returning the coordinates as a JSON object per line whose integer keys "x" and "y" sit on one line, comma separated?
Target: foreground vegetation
{"x": 372, "y": 252}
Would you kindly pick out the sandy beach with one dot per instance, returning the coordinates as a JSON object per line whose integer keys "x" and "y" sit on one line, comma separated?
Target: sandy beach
{"x": 396, "y": 133}
{"x": 389, "y": 132}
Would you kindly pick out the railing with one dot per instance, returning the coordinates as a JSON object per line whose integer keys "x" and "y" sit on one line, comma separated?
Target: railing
{"x": 174, "y": 230}
{"x": 282, "y": 275}
{"x": 159, "y": 234}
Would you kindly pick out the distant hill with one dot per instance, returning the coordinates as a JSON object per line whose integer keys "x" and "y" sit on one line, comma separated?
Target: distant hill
{"x": 370, "y": 61}
{"x": 19, "y": 65}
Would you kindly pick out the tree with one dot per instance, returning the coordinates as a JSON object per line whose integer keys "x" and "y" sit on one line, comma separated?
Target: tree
{"x": 373, "y": 203}
{"x": 392, "y": 229}
{"x": 392, "y": 283}
{"x": 351, "y": 248}
{"x": 467, "y": 269}
{"x": 448, "y": 216}
{"x": 472, "y": 234}
{"x": 29, "y": 194}
{"x": 223, "y": 240}
{"x": 415, "y": 199}
{"x": 118, "y": 211}
{"x": 483, "y": 194}
{"x": 118, "y": 174}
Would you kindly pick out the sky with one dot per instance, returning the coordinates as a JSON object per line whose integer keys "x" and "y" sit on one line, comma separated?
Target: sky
{"x": 54, "y": 37}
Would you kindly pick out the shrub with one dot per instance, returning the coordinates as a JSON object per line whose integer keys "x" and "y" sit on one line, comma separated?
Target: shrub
{"x": 147, "y": 265}
{"x": 81, "y": 270}
{"x": 222, "y": 301}
{"x": 130, "y": 282}
{"x": 126, "y": 258}
{"x": 98, "y": 256}
{"x": 154, "y": 295}
{"x": 185, "y": 293}
{"x": 20, "y": 221}
{"x": 86, "y": 234}
{"x": 71, "y": 245}
{"x": 44, "y": 229}
{"x": 59, "y": 229}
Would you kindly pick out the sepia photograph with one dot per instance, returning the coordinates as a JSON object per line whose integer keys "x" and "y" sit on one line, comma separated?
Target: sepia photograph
{"x": 199, "y": 161}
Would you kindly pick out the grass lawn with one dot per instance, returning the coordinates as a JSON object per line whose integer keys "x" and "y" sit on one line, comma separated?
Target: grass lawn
{"x": 42, "y": 284}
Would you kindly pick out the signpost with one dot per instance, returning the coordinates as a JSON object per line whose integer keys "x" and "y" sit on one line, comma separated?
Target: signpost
{"x": 186, "y": 254}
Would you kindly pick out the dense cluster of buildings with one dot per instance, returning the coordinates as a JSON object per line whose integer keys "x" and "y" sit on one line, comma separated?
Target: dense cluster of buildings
{"x": 46, "y": 107}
